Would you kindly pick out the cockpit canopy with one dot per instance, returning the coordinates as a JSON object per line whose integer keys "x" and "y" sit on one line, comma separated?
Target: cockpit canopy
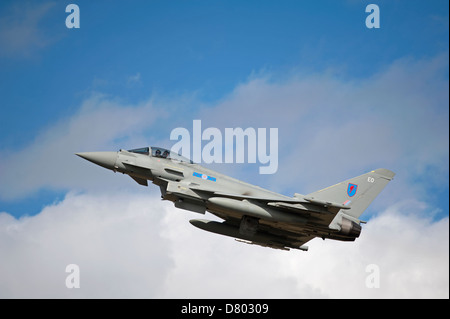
{"x": 162, "y": 153}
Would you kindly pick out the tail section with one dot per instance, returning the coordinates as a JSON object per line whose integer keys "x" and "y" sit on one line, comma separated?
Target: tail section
{"x": 356, "y": 193}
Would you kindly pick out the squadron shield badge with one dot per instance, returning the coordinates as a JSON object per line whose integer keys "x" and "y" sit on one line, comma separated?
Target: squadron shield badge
{"x": 351, "y": 190}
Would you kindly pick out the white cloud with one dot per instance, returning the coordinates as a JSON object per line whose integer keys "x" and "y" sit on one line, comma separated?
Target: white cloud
{"x": 135, "y": 246}
{"x": 332, "y": 128}
{"x": 410, "y": 266}
{"x": 20, "y": 30}
{"x": 134, "y": 80}
{"x": 50, "y": 161}
{"x": 114, "y": 239}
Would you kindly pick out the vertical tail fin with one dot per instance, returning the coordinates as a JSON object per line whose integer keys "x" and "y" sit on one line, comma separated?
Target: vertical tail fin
{"x": 357, "y": 192}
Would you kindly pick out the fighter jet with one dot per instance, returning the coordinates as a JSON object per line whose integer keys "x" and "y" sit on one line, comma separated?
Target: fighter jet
{"x": 250, "y": 213}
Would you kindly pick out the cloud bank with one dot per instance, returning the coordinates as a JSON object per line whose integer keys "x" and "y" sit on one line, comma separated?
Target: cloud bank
{"x": 134, "y": 246}
{"x": 21, "y": 33}
{"x": 127, "y": 243}
{"x": 50, "y": 162}
{"x": 331, "y": 128}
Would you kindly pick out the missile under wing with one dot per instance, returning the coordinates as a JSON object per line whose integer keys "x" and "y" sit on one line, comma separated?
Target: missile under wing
{"x": 250, "y": 213}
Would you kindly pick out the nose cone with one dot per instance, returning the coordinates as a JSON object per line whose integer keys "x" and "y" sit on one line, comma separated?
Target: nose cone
{"x": 104, "y": 159}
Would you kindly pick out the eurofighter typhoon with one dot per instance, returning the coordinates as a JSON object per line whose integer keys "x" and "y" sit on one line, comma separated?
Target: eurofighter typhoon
{"x": 250, "y": 213}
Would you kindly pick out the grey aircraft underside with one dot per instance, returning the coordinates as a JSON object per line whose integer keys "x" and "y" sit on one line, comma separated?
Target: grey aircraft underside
{"x": 250, "y": 213}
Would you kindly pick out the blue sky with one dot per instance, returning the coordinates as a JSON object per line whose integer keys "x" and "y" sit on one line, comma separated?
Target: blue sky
{"x": 346, "y": 99}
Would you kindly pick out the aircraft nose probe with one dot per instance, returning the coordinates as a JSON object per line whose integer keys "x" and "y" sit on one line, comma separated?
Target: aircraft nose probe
{"x": 104, "y": 159}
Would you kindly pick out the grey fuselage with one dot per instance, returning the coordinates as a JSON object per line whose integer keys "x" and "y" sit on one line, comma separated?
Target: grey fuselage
{"x": 250, "y": 213}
